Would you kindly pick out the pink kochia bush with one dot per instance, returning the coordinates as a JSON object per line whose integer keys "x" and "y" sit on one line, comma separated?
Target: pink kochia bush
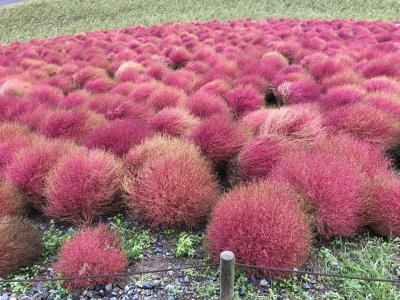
{"x": 332, "y": 186}
{"x": 204, "y": 104}
{"x": 219, "y": 138}
{"x": 173, "y": 190}
{"x": 300, "y": 123}
{"x": 258, "y": 156}
{"x": 341, "y": 95}
{"x": 364, "y": 122}
{"x": 264, "y": 218}
{"x": 12, "y": 202}
{"x": 243, "y": 100}
{"x": 29, "y": 167}
{"x": 384, "y": 205}
{"x": 173, "y": 121}
{"x": 93, "y": 251}
{"x": 117, "y": 136}
{"x": 83, "y": 186}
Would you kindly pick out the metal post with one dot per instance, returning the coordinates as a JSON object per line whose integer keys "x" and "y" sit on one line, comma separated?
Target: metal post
{"x": 227, "y": 276}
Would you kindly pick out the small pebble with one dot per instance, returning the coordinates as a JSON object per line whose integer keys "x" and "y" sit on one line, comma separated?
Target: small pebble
{"x": 109, "y": 288}
{"x": 263, "y": 283}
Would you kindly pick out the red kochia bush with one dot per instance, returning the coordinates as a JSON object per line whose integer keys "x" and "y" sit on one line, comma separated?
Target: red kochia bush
{"x": 301, "y": 123}
{"x": 333, "y": 186}
{"x": 364, "y": 122}
{"x": 244, "y": 99}
{"x": 341, "y": 95}
{"x": 299, "y": 91}
{"x": 82, "y": 186}
{"x": 9, "y": 148}
{"x": 93, "y": 251}
{"x": 258, "y": 156}
{"x": 20, "y": 244}
{"x": 11, "y": 130}
{"x": 154, "y": 148}
{"x": 11, "y": 200}
{"x": 384, "y": 205}
{"x": 166, "y": 96}
{"x": 45, "y": 94}
{"x": 30, "y": 166}
{"x": 173, "y": 121}
{"x": 204, "y": 104}
{"x": 255, "y": 119}
{"x": 117, "y": 136}
{"x": 219, "y": 138}
{"x": 177, "y": 189}
{"x": 69, "y": 124}
{"x": 264, "y": 218}
{"x": 383, "y": 84}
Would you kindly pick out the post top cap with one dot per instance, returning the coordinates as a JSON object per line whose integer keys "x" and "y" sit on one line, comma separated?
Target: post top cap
{"x": 227, "y": 255}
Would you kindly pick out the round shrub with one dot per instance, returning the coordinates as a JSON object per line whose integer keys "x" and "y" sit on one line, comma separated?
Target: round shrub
{"x": 386, "y": 102}
{"x": 219, "y": 138}
{"x": 299, "y": 91}
{"x": 82, "y": 186}
{"x": 29, "y": 168}
{"x": 69, "y": 124}
{"x": 11, "y": 200}
{"x": 333, "y": 186}
{"x": 74, "y": 99}
{"x": 166, "y": 96}
{"x": 154, "y": 148}
{"x": 173, "y": 190}
{"x": 204, "y": 104}
{"x": 369, "y": 157}
{"x": 45, "y": 94}
{"x": 382, "y": 84}
{"x": 10, "y": 130}
{"x": 301, "y": 123}
{"x": 93, "y": 251}
{"x": 89, "y": 73}
{"x": 346, "y": 77}
{"x": 117, "y": 136}
{"x": 258, "y": 156}
{"x": 217, "y": 87}
{"x": 99, "y": 85}
{"x": 243, "y": 100}
{"x": 20, "y": 244}
{"x": 384, "y": 205}
{"x": 9, "y": 148}
{"x": 341, "y": 95}
{"x": 14, "y": 87}
{"x": 172, "y": 121}
{"x": 264, "y": 218}
{"x": 254, "y": 120}
{"x": 364, "y": 122}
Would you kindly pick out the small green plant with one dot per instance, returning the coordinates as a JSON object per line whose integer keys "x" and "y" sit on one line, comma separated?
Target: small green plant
{"x": 186, "y": 244}
{"x": 61, "y": 292}
{"x": 24, "y": 274}
{"x": 53, "y": 237}
{"x": 134, "y": 241}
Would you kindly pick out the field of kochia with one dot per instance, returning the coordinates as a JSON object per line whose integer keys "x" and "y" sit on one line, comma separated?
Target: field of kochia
{"x": 267, "y": 134}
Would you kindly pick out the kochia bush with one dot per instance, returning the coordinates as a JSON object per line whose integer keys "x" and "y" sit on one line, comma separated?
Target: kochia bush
{"x": 21, "y": 244}
{"x": 93, "y": 251}
{"x": 264, "y": 218}
{"x": 174, "y": 190}
{"x": 82, "y": 186}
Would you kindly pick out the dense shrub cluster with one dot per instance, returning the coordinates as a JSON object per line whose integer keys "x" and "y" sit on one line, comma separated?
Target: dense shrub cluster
{"x": 21, "y": 244}
{"x": 93, "y": 251}
{"x": 157, "y": 121}
{"x": 263, "y": 218}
